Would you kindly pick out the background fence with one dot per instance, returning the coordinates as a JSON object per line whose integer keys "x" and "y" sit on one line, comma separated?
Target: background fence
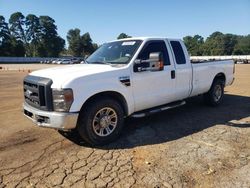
{"x": 236, "y": 58}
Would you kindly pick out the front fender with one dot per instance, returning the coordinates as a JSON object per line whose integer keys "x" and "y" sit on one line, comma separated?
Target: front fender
{"x": 84, "y": 89}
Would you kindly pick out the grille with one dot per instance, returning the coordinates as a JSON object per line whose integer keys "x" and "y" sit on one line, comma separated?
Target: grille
{"x": 37, "y": 92}
{"x": 31, "y": 93}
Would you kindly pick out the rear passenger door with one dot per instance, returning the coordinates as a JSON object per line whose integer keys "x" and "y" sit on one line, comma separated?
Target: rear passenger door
{"x": 183, "y": 69}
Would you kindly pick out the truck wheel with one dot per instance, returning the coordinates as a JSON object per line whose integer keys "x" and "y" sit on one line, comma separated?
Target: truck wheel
{"x": 215, "y": 95}
{"x": 101, "y": 121}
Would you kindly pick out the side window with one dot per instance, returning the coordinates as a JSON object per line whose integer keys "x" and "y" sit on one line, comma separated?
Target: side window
{"x": 178, "y": 52}
{"x": 155, "y": 46}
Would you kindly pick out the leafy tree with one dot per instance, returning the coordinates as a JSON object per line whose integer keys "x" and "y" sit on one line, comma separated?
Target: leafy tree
{"x": 29, "y": 36}
{"x": 220, "y": 44}
{"x": 243, "y": 45}
{"x": 5, "y": 38}
{"x": 10, "y": 46}
{"x": 33, "y": 34}
{"x": 4, "y": 29}
{"x": 87, "y": 44}
{"x": 75, "y": 43}
{"x": 214, "y": 44}
{"x": 18, "y": 38}
{"x": 194, "y": 44}
{"x": 123, "y": 36}
{"x": 230, "y": 41}
{"x": 80, "y": 45}
{"x": 18, "y": 49}
{"x": 17, "y": 23}
{"x": 33, "y": 26}
{"x": 50, "y": 43}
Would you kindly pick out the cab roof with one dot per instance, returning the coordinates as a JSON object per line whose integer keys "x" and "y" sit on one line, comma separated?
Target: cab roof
{"x": 144, "y": 38}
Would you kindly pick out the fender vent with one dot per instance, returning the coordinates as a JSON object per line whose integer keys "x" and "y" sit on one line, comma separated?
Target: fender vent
{"x": 125, "y": 80}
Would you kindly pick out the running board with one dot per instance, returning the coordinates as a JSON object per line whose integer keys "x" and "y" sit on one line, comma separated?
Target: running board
{"x": 157, "y": 109}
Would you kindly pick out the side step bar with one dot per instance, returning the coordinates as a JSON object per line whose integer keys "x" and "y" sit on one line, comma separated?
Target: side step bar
{"x": 157, "y": 109}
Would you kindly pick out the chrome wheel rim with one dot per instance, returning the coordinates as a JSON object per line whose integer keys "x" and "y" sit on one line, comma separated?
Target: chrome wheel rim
{"x": 217, "y": 93}
{"x": 105, "y": 121}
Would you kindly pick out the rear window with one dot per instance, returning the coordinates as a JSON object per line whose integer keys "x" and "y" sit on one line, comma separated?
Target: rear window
{"x": 178, "y": 52}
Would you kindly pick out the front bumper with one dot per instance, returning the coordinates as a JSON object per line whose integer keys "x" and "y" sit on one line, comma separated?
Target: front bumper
{"x": 56, "y": 120}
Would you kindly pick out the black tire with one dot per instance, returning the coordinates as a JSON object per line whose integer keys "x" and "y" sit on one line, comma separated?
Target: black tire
{"x": 212, "y": 97}
{"x": 88, "y": 127}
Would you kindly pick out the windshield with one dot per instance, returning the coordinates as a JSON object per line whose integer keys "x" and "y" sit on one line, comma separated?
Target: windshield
{"x": 119, "y": 52}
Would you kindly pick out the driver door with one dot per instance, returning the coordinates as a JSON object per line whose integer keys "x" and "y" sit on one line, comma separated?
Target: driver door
{"x": 154, "y": 88}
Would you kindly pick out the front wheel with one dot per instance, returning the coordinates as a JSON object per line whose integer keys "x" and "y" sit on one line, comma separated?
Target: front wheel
{"x": 101, "y": 121}
{"x": 215, "y": 95}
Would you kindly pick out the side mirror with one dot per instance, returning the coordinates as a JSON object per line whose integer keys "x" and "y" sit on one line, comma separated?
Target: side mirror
{"x": 154, "y": 63}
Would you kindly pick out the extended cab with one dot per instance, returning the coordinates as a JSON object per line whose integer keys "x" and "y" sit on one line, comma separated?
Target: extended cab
{"x": 129, "y": 77}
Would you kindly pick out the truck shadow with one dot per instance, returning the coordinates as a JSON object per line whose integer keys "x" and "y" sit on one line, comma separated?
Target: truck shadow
{"x": 177, "y": 123}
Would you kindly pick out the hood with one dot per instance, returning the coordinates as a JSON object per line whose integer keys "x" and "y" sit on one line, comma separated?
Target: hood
{"x": 66, "y": 73}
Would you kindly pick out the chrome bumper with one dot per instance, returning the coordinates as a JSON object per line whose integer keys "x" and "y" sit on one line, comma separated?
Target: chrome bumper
{"x": 56, "y": 120}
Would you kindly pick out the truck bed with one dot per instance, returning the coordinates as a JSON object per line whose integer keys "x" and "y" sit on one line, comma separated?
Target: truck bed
{"x": 205, "y": 72}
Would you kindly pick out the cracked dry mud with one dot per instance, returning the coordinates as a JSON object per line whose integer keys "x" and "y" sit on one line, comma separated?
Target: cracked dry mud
{"x": 190, "y": 146}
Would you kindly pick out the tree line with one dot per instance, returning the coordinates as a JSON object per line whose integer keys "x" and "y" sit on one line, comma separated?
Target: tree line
{"x": 29, "y": 36}
{"x": 218, "y": 44}
{"x": 34, "y": 36}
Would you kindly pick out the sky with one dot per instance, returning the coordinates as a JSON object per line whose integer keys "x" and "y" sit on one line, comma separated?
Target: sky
{"x": 106, "y": 19}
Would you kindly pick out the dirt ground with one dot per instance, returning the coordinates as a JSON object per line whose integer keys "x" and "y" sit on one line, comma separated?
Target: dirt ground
{"x": 190, "y": 146}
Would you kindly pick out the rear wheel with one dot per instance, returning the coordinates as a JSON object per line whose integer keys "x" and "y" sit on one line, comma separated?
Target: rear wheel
{"x": 101, "y": 121}
{"x": 215, "y": 95}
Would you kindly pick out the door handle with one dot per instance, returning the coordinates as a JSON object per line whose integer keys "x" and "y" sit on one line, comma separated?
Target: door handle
{"x": 173, "y": 74}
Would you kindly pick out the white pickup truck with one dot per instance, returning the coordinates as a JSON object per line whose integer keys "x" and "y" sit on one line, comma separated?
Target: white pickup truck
{"x": 130, "y": 77}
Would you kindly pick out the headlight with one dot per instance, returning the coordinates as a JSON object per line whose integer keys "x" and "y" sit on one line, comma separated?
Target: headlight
{"x": 62, "y": 99}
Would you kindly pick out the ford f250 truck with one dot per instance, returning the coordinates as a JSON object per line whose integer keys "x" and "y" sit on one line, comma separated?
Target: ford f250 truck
{"x": 130, "y": 77}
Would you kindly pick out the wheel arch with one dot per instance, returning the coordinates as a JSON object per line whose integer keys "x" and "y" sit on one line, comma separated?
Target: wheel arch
{"x": 220, "y": 76}
{"x": 112, "y": 94}
{"x": 209, "y": 96}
